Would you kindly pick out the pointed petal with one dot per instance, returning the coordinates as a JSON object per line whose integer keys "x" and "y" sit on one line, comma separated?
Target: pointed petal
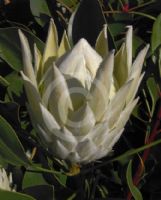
{"x": 74, "y": 157}
{"x": 110, "y": 141}
{"x": 69, "y": 63}
{"x": 81, "y": 73}
{"x": 138, "y": 63}
{"x": 64, "y": 45}
{"x": 85, "y": 149}
{"x": 43, "y": 134}
{"x": 60, "y": 150}
{"x": 76, "y": 67}
{"x": 33, "y": 95}
{"x": 51, "y": 47}
{"x": 56, "y": 96}
{"x": 98, "y": 133}
{"x": 68, "y": 139}
{"x": 37, "y": 60}
{"x": 77, "y": 92}
{"x": 107, "y": 143}
{"x": 128, "y": 44}
{"x": 51, "y": 135}
{"x": 116, "y": 105}
{"x": 123, "y": 60}
{"x": 92, "y": 59}
{"x": 48, "y": 120}
{"x": 134, "y": 88}
{"x": 81, "y": 122}
{"x": 100, "y": 89}
{"x": 120, "y": 66}
{"x": 70, "y": 25}
{"x": 135, "y": 73}
{"x": 64, "y": 136}
{"x": 102, "y": 42}
{"x": 39, "y": 113}
{"x": 124, "y": 117}
{"x": 27, "y": 58}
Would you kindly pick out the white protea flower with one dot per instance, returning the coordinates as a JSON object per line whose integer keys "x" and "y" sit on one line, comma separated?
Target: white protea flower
{"x": 80, "y": 98}
{"x": 5, "y": 180}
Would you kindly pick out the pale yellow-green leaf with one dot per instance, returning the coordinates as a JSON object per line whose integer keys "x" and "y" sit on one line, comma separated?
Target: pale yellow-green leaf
{"x": 120, "y": 66}
{"x": 133, "y": 189}
{"x": 102, "y": 42}
{"x": 99, "y": 93}
{"x": 51, "y": 47}
{"x": 64, "y": 45}
{"x": 37, "y": 63}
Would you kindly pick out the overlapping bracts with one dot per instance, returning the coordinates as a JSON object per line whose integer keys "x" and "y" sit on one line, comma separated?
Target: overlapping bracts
{"x": 80, "y": 98}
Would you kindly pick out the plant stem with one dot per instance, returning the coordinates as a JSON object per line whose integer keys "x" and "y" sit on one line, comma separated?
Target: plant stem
{"x": 146, "y": 153}
{"x": 142, "y": 5}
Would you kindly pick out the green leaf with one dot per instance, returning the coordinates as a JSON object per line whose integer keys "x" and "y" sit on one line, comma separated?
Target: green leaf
{"x": 10, "y": 50}
{"x": 156, "y": 37}
{"x": 32, "y": 179}
{"x": 15, "y": 84}
{"x": 11, "y": 149}
{"x": 40, "y": 11}
{"x": 116, "y": 28}
{"x": 159, "y": 62}
{"x": 137, "y": 42}
{"x": 136, "y": 113}
{"x": 135, "y": 151}
{"x": 134, "y": 190}
{"x": 41, "y": 192}
{"x": 6, "y": 195}
{"x": 72, "y": 197}
{"x": 153, "y": 91}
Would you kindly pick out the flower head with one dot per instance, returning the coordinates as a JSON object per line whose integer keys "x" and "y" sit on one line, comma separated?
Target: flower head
{"x": 80, "y": 98}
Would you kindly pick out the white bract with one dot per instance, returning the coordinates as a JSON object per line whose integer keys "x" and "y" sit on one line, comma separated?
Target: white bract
{"x": 80, "y": 98}
{"x": 5, "y": 180}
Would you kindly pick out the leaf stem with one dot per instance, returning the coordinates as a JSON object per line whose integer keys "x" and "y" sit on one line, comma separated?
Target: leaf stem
{"x": 142, "y": 5}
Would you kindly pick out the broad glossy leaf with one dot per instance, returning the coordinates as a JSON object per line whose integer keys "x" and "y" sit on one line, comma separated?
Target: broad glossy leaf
{"x": 11, "y": 149}
{"x": 40, "y": 11}
{"x": 88, "y": 21}
{"x": 10, "y": 50}
{"x": 155, "y": 37}
{"x": 6, "y": 108}
{"x": 137, "y": 42}
{"x": 31, "y": 179}
{"x": 15, "y": 84}
{"x": 41, "y": 192}
{"x": 6, "y": 195}
{"x": 116, "y": 28}
{"x": 134, "y": 190}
